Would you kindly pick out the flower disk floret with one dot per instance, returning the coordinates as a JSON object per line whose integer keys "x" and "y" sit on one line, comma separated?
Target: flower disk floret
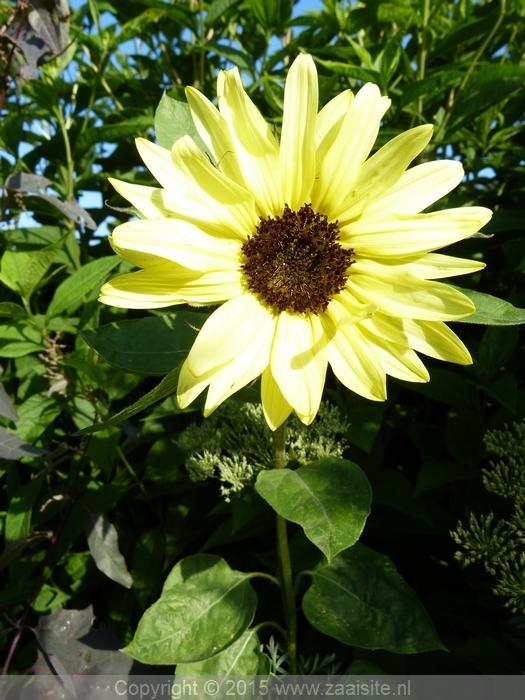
{"x": 315, "y": 252}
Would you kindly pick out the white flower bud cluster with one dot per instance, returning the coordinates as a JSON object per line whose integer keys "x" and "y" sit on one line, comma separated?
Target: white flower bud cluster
{"x": 234, "y": 444}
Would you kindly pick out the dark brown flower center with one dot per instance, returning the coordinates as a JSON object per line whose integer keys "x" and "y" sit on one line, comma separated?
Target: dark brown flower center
{"x": 295, "y": 262}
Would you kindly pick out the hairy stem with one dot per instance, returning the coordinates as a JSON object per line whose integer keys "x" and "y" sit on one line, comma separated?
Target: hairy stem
{"x": 283, "y": 553}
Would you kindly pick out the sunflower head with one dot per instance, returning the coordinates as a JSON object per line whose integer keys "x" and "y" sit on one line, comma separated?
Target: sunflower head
{"x": 314, "y": 252}
{"x": 294, "y": 262}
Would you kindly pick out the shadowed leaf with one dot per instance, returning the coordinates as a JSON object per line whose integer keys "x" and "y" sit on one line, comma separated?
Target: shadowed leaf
{"x": 12, "y": 447}
{"x": 6, "y": 405}
{"x": 360, "y": 599}
{"x": 41, "y": 22}
{"x": 68, "y": 637}
{"x": 102, "y": 539}
{"x": 127, "y": 344}
{"x": 13, "y": 549}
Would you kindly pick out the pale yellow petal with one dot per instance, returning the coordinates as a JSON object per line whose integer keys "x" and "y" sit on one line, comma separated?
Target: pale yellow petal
{"x": 245, "y": 367}
{"x": 195, "y": 187}
{"x": 180, "y": 242}
{"x": 418, "y": 188}
{"x": 254, "y": 144}
{"x": 387, "y": 327}
{"x": 329, "y": 121}
{"x": 396, "y": 235}
{"x": 211, "y": 287}
{"x": 213, "y": 130}
{"x": 434, "y": 266}
{"x": 297, "y": 152}
{"x": 231, "y": 203}
{"x": 436, "y": 340}
{"x": 399, "y": 293}
{"x": 231, "y": 329}
{"x": 345, "y": 309}
{"x": 432, "y": 338}
{"x": 137, "y": 258}
{"x": 159, "y": 162}
{"x": 275, "y": 407}
{"x": 397, "y": 360}
{"x": 145, "y": 289}
{"x": 402, "y": 363}
{"x": 354, "y": 363}
{"x": 340, "y": 166}
{"x": 156, "y": 203}
{"x": 141, "y": 197}
{"x": 169, "y": 284}
{"x": 383, "y": 170}
{"x": 298, "y": 361}
{"x": 189, "y": 386}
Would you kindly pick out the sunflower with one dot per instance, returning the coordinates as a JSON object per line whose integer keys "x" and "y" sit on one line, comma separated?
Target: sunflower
{"x": 315, "y": 253}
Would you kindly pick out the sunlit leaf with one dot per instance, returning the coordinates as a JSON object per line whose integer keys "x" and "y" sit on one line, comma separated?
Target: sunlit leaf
{"x": 70, "y": 293}
{"x": 204, "y": 607}
{"x": 241, "y": 658}
{"x": 491, "y": 311}
{"x": 330, "y": 499}
{"x": 173, "y": 120}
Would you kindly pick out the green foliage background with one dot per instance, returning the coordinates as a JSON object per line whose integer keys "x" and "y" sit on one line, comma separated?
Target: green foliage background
{"x": 69, "y": 362}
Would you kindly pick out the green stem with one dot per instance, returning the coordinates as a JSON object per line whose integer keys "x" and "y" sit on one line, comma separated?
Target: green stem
{"x": 135, "y": 477}
{"x": 70, "y": 183}
{"x": 283, "y": 553}
{"x": 261, "y": 574}
{"x": 299, "y": 578}
{"x": 98, "y": 71}
{"x": 202, "y": 40}
{"x": 270, "y": 623}
{"x": 423, "y": 50}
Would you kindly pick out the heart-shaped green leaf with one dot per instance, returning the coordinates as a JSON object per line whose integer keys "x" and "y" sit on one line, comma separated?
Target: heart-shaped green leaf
{"x": 330, "y": 499}
{"x": 204, "y": 607}
{"x": 360, "y": 599}
{"x": 239, "y": 659}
